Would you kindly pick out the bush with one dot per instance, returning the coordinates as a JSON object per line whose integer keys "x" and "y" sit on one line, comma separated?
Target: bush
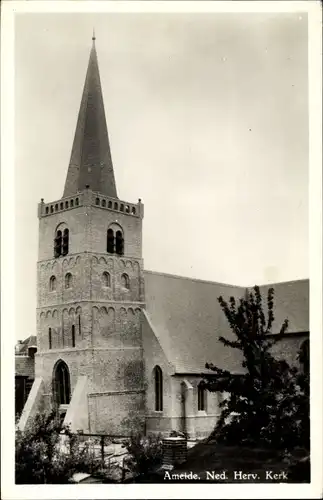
{"x": 145, "y": 453}
{"x": 41, "y": 456}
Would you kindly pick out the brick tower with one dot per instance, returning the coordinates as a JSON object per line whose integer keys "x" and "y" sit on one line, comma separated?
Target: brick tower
{"x": 89, "y": 363}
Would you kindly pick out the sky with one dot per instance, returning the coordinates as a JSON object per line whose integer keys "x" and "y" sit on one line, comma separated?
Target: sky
{"x": 208, "y": 124}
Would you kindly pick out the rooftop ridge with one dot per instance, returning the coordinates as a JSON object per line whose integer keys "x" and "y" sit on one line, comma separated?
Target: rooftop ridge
{"x": 176, "y": 276}
{"x": 148, "y": 271}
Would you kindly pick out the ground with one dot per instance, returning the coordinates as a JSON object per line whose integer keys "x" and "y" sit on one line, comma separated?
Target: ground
{"x": 235, "y": 464}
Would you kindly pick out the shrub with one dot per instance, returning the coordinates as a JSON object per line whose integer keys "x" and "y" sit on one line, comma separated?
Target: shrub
{"x": 145, "y": 453}
{"x": 42, "y": 455}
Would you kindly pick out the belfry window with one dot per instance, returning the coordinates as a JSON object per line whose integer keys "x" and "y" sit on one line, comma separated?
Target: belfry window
{"x": 58, "y": 244}
{"x": 158, "y": 375}
{"x": 61, "y": 242}
{"x": 119, "y": 243}
{"x": 52, "y": 284}
{"x": 110, "y": 241}
{"x": 65, "y": 241}
{"x": 201, "y": 397}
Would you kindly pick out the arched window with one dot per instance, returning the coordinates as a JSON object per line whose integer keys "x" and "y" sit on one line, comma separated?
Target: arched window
{"x": 52, "y": 284}
{"x": 73, "y": 335}
{"x": 49, "y": 338}
{"x": 97, "y": 201}
{"x": 304, "y": 356}
{"x": 65, "y": 241}
{"x": 110, "y": 204}
{"x": 119, "y": 243}
{"x": 201, "y": 397}
{"x": 66, "y": 204}
{"x": 68, "y": 280}
{"x": 110, "y": 241}
{"x": 61, "y": 206}
{"x": 106, "y": 278}
{"x": 158, "y": 388}
{"x": 103, "y": 203}
{"x": 116, "y": 206}
{"x": 72, "y": 203}
{"x": 133, "y": 210}
{"x": 58, "y": 244}
{"x": 121, "y": 207}
{"x": 62, "y": 386}
{"x": 125, "y": 281}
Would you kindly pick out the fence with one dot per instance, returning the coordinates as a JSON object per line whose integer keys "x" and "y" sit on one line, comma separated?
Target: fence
{"x": 109, "y": 449}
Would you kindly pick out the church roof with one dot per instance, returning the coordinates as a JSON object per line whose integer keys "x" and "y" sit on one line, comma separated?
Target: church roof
{"x": 187, "y": 316}
{"x": 91, "y": 162}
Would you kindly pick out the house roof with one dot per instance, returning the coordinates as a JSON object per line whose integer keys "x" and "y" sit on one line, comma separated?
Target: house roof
{"x": 188, "y": 318}
{"x": 22, "y": 347}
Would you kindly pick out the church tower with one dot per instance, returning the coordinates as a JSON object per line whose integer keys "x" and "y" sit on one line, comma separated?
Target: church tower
{"x": 89, "y": 364}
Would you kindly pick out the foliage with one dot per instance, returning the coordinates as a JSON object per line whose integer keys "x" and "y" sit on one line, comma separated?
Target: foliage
{"x": 42, "y": 456}
{"x": 268, "y": 403}
{"x": 145, "y": 453}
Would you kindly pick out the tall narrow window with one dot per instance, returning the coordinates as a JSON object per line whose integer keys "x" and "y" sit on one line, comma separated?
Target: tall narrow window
{"x": 110, "y": 241}
{"x": 65, "y": 242}
{"x": 158, "y": 389}
{"x": 73, "y": 335}
{"x": 304, "y": 356}
{"x": 58, "y": 244}
{"x": 68, "y": 280}
{"x": 49, "y": 338}
{"x": 52, "y": 284}
{"x": 119, "y": 243}
{"x": 125, "y": 281}
{"x": 62, "y": 388}
{"x": 106, "y": 278}
{"x": 201, "y": 397}
{"x": 79, "y": 324}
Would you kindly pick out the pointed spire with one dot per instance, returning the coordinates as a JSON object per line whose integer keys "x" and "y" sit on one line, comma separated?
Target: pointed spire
{"x": 90, "y": 162}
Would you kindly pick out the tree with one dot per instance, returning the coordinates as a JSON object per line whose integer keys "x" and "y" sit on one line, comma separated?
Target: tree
{"x": 268, "y": 402}
{"x": 40, "y": 457}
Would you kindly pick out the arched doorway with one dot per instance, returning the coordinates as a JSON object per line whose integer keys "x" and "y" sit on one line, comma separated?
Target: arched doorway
{"x": 61, "y": 384}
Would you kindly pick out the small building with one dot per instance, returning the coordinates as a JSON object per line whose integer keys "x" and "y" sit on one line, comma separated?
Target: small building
{"x": 24, "y": 370}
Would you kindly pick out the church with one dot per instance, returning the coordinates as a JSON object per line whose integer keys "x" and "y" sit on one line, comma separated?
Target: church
{"x": 119, "y": 347}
